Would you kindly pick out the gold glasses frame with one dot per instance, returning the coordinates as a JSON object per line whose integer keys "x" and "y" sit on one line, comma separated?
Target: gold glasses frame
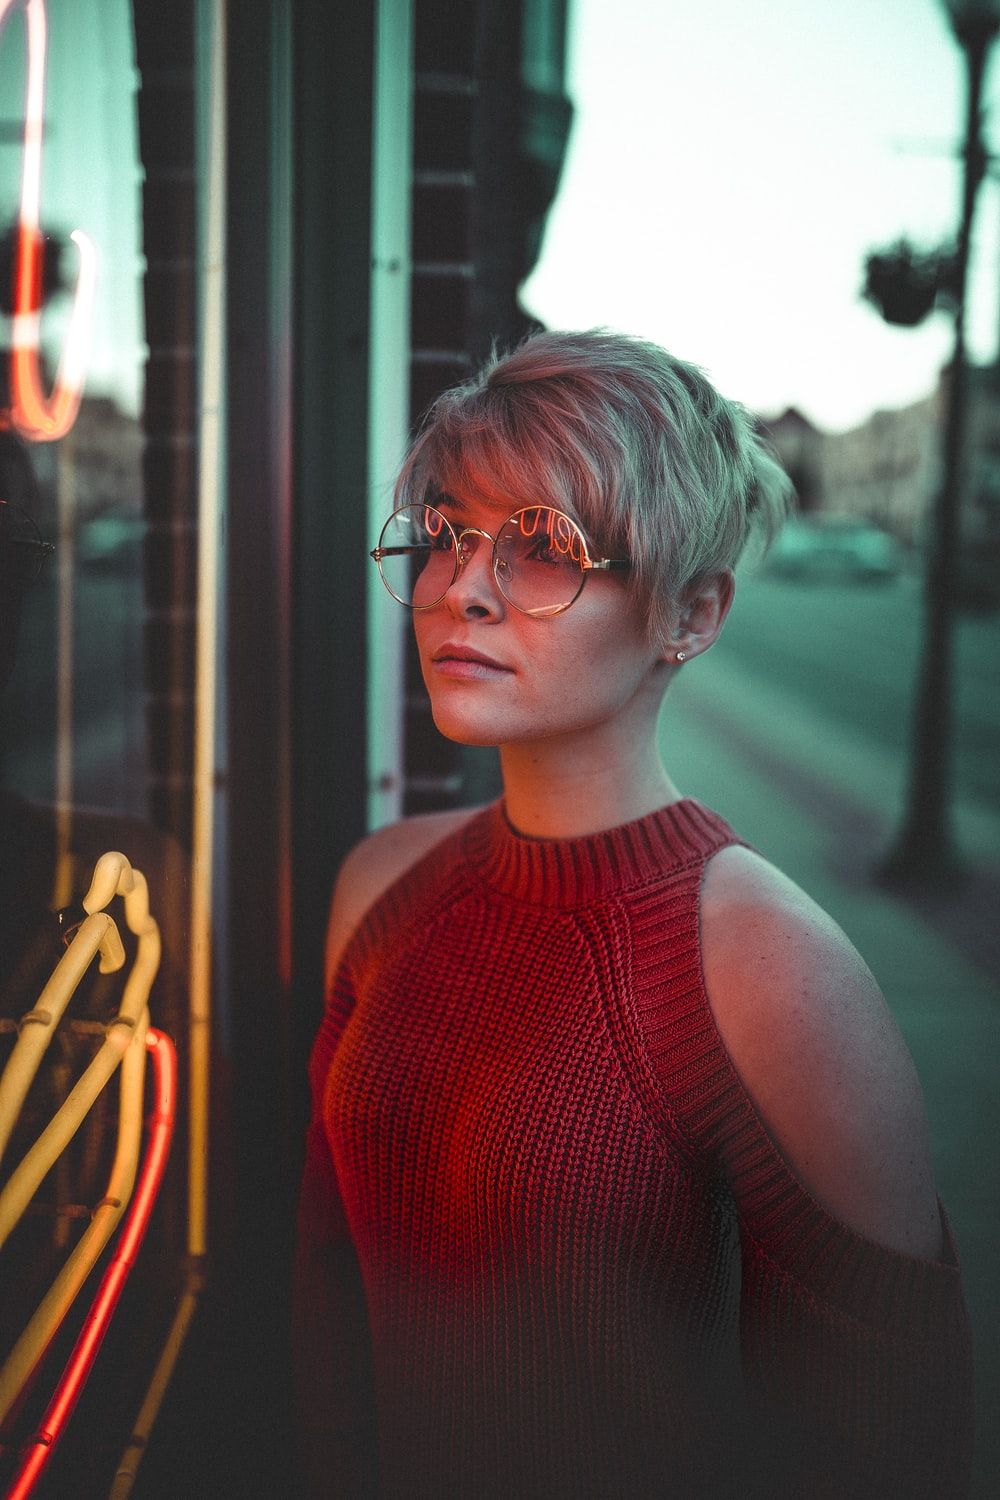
{"x": 17, "y": 529}
{"x": 462, "y": 552}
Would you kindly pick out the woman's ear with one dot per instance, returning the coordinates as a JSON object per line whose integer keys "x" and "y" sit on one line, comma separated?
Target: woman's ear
{"x": 704, "y": 607}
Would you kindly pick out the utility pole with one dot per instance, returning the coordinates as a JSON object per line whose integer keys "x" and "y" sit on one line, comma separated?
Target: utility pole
{"x": 925, "y": 847}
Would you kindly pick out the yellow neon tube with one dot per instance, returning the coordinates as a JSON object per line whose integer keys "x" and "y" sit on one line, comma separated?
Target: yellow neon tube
{"x": 125, "y": 1039}
{"x": 98, "y": 934}
{"x": 113, "y": 875}
{"x": 54, "y": 1306}
{"x": 28, "y": 1176}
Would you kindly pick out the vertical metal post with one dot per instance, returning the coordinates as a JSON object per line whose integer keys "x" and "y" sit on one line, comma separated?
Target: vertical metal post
{"x": 388, "y": 387}
{"x": 925, "y": 847}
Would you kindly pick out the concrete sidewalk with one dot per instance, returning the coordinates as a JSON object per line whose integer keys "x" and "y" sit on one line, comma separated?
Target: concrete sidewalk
{"x": 822, "y": 803}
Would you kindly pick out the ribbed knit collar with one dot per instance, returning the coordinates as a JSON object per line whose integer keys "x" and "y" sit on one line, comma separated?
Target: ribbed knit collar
{"x": 574, "y": 871}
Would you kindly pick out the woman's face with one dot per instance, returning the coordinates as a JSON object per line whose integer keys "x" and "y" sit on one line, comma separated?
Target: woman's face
{"x": 560, "y": 675}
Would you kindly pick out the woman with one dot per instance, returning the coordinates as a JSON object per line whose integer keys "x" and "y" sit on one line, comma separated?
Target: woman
{"x": 618, "y": 1181}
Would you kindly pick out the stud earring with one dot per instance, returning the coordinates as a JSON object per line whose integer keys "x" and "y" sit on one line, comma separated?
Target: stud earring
{"x": 680, "y": 657}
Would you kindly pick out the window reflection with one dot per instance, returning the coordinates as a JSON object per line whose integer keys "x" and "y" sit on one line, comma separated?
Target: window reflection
{"x": 74, "y": 779}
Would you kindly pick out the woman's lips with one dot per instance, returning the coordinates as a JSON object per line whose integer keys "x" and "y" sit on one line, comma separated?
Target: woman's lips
{"x": 453, "y": 660}
{"x": 469, "y": 668}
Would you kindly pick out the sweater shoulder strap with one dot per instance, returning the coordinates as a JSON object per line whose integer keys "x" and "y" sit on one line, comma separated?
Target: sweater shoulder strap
{"x": 682, "y": 1073}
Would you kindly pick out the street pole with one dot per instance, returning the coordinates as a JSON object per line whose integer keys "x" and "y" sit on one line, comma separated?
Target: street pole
{"x": 925, "y": 848}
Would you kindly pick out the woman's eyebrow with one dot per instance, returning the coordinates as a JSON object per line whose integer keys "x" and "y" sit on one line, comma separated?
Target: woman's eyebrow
{"x": 443, "y": 498}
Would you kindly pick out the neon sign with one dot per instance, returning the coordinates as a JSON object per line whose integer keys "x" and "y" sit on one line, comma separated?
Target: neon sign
{"x": 563, "y": 534}
{"x": 38, "y": 416}
{"x": 434, "y": 521}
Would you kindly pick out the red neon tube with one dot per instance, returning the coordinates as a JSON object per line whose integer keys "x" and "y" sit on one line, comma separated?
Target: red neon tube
{"x": 35, "y": 415}
{"x": 78, "y": 1367}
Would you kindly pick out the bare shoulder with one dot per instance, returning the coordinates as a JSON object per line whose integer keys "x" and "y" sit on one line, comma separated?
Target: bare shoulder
{"x": 818, "y": 1051}
{"x": 375, "y": 863}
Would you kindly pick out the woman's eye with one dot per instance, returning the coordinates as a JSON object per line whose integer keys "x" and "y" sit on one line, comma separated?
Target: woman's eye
{"x": 541, "y": 551}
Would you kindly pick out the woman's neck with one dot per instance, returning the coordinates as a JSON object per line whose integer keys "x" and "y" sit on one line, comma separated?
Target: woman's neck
{"x": 557, "y": 789}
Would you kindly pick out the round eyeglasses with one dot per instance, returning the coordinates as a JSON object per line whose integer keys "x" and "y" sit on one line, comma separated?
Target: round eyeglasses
{"x": 22, "y": 550}
{"x": 540, "y": 558}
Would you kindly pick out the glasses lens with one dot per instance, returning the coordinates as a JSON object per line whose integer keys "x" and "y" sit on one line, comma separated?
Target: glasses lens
{"x": 417, "y": 555}
{"x": 540, "y": 554}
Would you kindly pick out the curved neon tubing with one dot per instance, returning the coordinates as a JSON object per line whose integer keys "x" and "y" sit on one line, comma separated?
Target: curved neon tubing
{"x": 98, "y": 934}
{"x": 113, "y": 876}
{"x": 35, "y": 415}
{"x": 28, "y": 1176}
{"x": 78, "y": 1367}
{"x": 25, "y": 1357}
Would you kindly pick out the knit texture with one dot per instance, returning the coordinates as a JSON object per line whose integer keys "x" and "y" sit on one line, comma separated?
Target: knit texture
{"x": 547, "y": 1247}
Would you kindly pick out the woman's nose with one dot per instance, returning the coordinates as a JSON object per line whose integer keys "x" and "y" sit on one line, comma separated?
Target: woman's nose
{"x": 475, "y": 587}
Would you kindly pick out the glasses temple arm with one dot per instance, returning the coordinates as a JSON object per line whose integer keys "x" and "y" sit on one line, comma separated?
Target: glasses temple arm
{"x": 378, "y": 552}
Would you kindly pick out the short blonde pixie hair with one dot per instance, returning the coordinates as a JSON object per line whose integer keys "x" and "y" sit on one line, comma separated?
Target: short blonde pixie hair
{"x": 634, "y": 443}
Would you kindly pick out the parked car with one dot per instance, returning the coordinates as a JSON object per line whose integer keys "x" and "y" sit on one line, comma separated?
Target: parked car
{"x": 835, "y": 547}
{"x": 110, "y": 541}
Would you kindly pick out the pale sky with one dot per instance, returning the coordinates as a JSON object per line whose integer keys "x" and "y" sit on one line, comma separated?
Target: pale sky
{"x": 730, "y": 164}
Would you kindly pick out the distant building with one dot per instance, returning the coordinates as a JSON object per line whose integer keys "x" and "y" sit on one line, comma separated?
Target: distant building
{"x": 108, "y": 452}
{"x": 887, "y": 470}
{"x": 798, "y": 444}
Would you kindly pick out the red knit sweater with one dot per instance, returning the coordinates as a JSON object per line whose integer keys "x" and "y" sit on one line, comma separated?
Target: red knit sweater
{"x": 546, "y": 1246}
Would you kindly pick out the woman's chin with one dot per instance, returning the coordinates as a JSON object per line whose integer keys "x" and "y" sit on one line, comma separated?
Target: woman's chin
{"x": 465, "y": 728}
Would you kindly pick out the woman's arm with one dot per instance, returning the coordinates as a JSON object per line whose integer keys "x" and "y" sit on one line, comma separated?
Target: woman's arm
{"x": 855, "y": 1334}
{"x": 819, "y": 1052}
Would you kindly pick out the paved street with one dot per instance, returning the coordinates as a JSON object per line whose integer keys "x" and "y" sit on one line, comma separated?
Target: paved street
{"x": 852, "y": 651}
{"x": 795, "y": 726}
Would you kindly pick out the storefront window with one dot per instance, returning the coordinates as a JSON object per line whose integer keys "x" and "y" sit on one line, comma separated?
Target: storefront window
{"x": 73, "y": 705}
{"x": 88, "y": 591}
